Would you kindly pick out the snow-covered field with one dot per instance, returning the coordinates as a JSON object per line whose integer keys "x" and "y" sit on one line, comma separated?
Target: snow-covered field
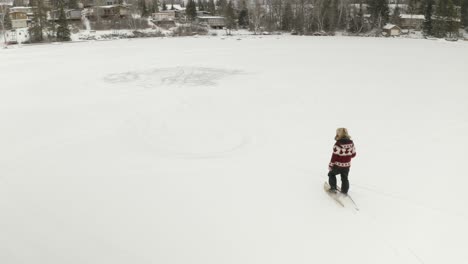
{"x": 209, "y": 150}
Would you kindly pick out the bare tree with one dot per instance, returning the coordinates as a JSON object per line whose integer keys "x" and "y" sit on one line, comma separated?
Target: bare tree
{"x": 258, "y": 13}
{"x": 2, "y": 19}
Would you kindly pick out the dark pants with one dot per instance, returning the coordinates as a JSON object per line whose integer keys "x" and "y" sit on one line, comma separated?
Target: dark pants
{"x": 343, "y": 172}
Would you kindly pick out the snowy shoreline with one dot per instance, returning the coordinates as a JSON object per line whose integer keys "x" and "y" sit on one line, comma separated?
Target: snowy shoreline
{"x": 110, "y": 35}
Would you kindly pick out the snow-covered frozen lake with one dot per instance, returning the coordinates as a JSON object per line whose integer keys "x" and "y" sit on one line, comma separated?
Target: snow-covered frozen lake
{"x": 209, "y": 150}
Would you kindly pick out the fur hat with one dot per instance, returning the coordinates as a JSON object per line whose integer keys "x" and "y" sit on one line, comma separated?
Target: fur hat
{"x": 342, "y": 133}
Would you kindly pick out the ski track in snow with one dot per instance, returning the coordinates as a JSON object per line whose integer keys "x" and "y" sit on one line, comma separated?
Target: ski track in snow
{"x": 400, "y": 248}
{"x": 416, "y": 256}
{"x": 376, "y": 234}
{"x": 412, "y": 202}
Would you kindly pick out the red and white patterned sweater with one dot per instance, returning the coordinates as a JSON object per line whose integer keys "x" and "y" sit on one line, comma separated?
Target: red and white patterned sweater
{"x": 343, "y": 152}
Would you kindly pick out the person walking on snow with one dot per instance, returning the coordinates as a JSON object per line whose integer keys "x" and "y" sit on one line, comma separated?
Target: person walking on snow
{"x": 343, "y": 152}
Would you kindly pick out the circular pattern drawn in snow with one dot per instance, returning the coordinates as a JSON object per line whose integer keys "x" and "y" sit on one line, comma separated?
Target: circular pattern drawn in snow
{"x": 175, "y": 76}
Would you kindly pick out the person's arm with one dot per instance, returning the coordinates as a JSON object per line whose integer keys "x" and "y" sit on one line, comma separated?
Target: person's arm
{"x": 333, "y": 158}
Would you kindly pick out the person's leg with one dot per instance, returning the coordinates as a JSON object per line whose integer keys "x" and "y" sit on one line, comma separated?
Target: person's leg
{"x": 332, "y": 178}
{"x": 344, "y": 180}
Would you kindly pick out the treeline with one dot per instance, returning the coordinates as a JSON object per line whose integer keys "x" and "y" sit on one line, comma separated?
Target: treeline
{"x": 442, "y": 17}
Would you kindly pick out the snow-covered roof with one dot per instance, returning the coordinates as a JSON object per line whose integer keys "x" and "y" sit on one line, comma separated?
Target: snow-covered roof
{"x": 390, "y": 26}
{"x": 22, "y": 9}
{"x": 18, "y": 8}
{"x": 401, "y": 6}
{"x": 19, "y": 11}
{"x": 113, "y": 6}
{"x": 409, "y": 16}
{"x": 165, "y": 12}
{"x": 207, "y": 17}
{"x": 176, "y": 7}
{"x": 66, "y": 10}
{"x": 359, "y": 5}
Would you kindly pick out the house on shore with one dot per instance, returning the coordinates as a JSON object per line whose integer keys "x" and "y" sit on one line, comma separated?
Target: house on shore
{"x": 70, "y": 14}
{"x": 412, "y": 21}
{"x": 165, "y": 19}
{"x": 167, "y": 15}
{"x": 391, "y": 30}
{"x": 113, "y": 11}
{"x": 212, "y": 21}
{"x": 19, "y": 19}
{"x": 21, "y": 16}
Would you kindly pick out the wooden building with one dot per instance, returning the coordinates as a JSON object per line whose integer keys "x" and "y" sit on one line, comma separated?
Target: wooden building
{"x": 168, "y": 15}
{"x": 212, "y": 21}
{"x": 70, "y": 14}
{"x": 20, "y": 16}
{"x": 412, "y": 21}
{"x": 390, "y": 30}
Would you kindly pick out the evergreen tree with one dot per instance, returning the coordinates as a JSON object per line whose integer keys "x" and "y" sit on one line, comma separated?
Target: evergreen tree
{"x": 438, "y": 28}
{"x": 143, "y": 8}
{"x": 445, "y": 19}
{"x": 7, "y": 20}
{"x": 154, "y": 6}
{"x": 54, "y": 4}
{"x": 73, "y": 4}
{"x": 200, "y": 5}
{"x": 452, "y": 23}
{"x": 211, "y": 7}
{"x": 230, "y": 17}
{"x": 299, "y": 20}
{"x": 172, "y": 6}
{"x": 63, "y": 32}
{"x": 50, "y": 26}
{"x": 427, "y": 25}
{"x": 191, "y": 10}
{"x": 412, "y": 7}
{"x": 243, "y": 15}
{"x": 359, "y": 24}
{"x": 288, "y": 17}
{"x": 464, "y": 13}
{"x": 164, "y": 7}
{"x": 221, "y": 7}
{"x": 330, "y": 12}
{"x": 396, "y": 16}
{"x": 39, "y": 21}
{"x": 379, "y": 12}
{"x": 357, "y": 19}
